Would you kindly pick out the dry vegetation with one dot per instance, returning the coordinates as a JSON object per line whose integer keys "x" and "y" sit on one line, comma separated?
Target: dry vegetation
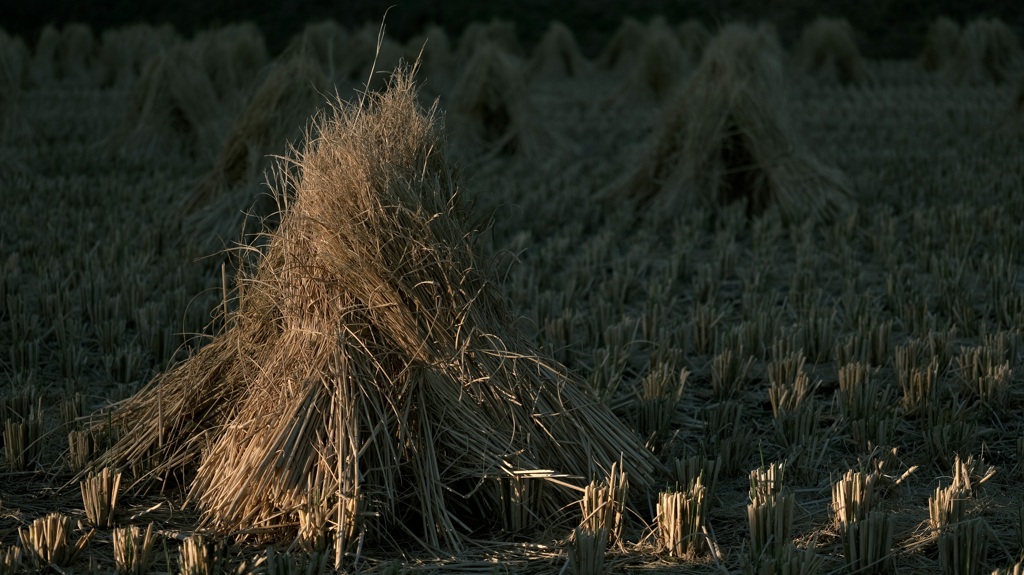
{"x": 771, "y": 325}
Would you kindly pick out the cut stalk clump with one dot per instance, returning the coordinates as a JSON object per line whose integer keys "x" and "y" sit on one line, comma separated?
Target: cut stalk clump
{"x": 770, "y": 512}
{"x": 867, "y": 543}
{"x": 23, "y": 440}
{"x": 46, "y": 541}
{"x": 197, "y": 556}
{"x": 372, "y": 329}
{"x": 99, "y": 495}
{"x": 729, "y": 373}
{"x": 680, "y": 519}
{"x": 963, "y": 547}
{"x": 794, "y": 408}
{"x": 660, "y": 394}
{"x": 133, "y": 549}
{"x": 854, "y": 497}
{"x": 10, "y": 560}
{"x": 604, "y": 506}
{"x": 587, "y": 550}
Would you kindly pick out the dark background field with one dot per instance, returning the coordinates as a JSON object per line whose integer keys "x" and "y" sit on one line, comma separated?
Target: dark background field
{"x": 888, "y": 28}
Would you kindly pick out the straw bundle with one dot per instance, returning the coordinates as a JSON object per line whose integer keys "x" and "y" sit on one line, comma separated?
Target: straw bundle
{"x": 940, "y": 44}
{"x": 988, "y": 52}
{"x": 231, "y": 56}
{"x": 489, "y": 108}
{"x": 290, "y": 94}
{"x": 727, "y": 138}
{"x": 828, "y": 49}
{"x": 657, "y": 70}
{"x": 124, "y": 52}
{"x": 174, "y": 108}
{"x": 378, "y": 340}
{"x": 501, "y": 33}
{"x": 621, "y": 52}
{"x": 557, "y": 55}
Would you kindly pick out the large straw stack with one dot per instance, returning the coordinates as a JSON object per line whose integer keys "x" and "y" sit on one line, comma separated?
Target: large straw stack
{"x": 67, "y": 56}
{"x": 828, "y": 49}
{"x": 371, "y": 364}
{"x": 232, "y": 57}
{"x": 728, "y": 138}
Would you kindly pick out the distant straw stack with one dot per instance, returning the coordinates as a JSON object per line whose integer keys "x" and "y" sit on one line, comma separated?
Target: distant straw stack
{"x": 501, "y": 33}
{"x": 437, "y": 62}
{"x": 370, "y": 374}
{"x": 232, "y": 57}
{"x": 489, "y": 110}
{"x": 828, "y": 49}
{"x": 275, "y": 116}
{"x": 173, "y": 109}
{"x": 988, "y": 52}
{"x": 658, "y": 69}
{"x": 694, "y": 38}
{"x": 14, "y": 64}
{"x": 124, "y": 52}
{"x": 940, "y": 44}
{"x": 66, "y": 56}
{"x": 622, "y": 49}
{"x": 728, "y": 138}
{"x": 557, "y": 56}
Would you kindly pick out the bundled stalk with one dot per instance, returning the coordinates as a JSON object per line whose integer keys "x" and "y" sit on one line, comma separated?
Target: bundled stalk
{"x": 727, "y": 138}
{"x": 378, "y": 339}
{"x": 828, "y": 49}
{"x": 232, "y": 57}
{"x": 65, "y": 56}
